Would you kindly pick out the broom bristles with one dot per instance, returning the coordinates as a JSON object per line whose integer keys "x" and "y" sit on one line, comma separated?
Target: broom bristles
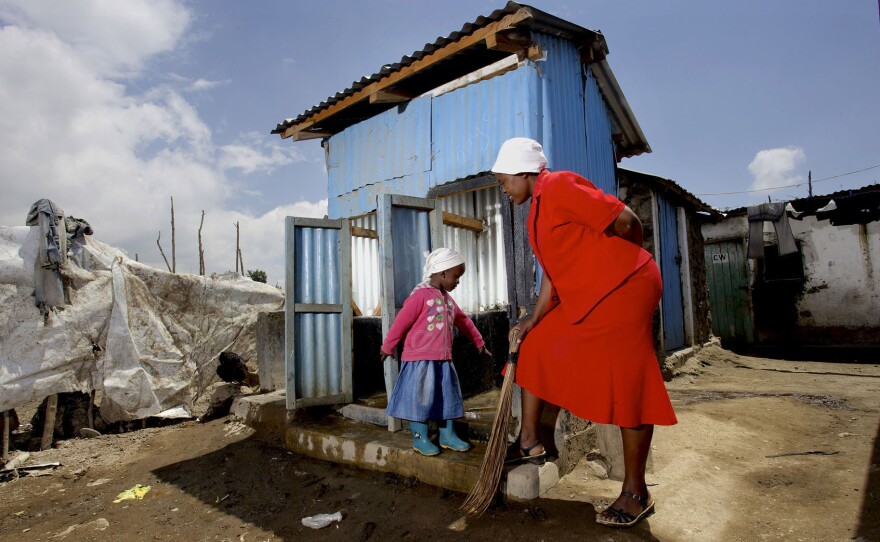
{"x": 481, "y": 495}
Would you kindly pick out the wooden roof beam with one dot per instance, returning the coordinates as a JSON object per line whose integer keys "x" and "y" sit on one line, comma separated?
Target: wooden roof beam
{"x": 501, "y": 42}
{"x": 508, "y": 22}
{"x": 306, "y": 134}
{"x": 389, "y": 97}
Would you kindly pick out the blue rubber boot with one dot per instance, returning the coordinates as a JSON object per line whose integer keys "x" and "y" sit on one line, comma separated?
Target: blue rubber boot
{"x": 421, "y": 443}
{"x": 448, "y": 438}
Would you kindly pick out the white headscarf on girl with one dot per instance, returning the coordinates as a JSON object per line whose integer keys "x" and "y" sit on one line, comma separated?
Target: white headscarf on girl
{"x": 439, "y": 260}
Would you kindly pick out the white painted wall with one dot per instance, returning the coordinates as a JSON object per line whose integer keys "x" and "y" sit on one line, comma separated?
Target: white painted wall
{"x": 728, "y": 229}
{"x": 841, "y": 269}
{"x": 842, "y": 272}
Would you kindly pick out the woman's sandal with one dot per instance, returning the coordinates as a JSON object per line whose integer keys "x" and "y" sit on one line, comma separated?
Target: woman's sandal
{"x": 621, "y": 519}
{"x": 521, "y": 454}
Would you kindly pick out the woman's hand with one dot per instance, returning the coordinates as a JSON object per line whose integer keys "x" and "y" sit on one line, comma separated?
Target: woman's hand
{"x": 518, "y": 332}
{"x": 627, "y": 226}
{"x": 485, "y": 352}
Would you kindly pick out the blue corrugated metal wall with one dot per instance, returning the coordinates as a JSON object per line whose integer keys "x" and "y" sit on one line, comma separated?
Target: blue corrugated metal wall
{"x": 469, "y": 124}
{"x": 601, "y": 159}
{"x": 412, "y": 238}
{"x": 318, "y": 348}
{"x": 562, "y": 101}
{"x": 437, "y": 140}
{"x": 395, "y": 144}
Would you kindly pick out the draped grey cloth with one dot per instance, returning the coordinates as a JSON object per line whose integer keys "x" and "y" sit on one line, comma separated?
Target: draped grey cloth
{"x": 774, "y": 213}
{"x": 51, "y": 255}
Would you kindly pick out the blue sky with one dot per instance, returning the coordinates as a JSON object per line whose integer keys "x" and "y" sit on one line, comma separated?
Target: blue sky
{"x": 109, "y": 108}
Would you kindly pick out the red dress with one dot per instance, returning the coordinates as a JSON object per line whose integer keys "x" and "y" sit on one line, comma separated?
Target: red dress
{"x": 593, "y": 352}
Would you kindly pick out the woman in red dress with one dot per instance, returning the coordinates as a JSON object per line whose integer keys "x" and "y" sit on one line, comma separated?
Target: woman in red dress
{"x": 588, "y": 346}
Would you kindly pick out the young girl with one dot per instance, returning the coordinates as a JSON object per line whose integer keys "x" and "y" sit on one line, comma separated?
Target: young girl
{"x": 427, "y": 387}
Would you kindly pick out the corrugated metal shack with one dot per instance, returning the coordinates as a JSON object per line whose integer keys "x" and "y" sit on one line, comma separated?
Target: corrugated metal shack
{"x": 408, "y": 153}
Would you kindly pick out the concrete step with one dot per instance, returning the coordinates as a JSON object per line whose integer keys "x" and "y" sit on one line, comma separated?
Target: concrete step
{"x": 322, "y": 434}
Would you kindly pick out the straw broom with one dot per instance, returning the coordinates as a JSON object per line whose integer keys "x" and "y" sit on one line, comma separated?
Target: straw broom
{"x": 481, "y": 495}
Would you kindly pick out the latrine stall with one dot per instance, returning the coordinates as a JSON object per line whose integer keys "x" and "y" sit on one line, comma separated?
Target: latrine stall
{"x": 408, "y": 152}
{"x": 672, "y": 219}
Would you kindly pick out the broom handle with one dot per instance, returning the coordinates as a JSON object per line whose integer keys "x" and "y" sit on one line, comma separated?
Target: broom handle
{"x": 513, "y": 350}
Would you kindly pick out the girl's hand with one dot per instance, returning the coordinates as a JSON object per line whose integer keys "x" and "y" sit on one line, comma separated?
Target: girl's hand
{"x": 383, "y": 355}
{"x": 485, "y": 352}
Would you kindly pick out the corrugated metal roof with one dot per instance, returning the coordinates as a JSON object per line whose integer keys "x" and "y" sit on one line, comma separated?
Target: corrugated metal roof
{"x": 817, "y": 201}
{"x": 671, "y": 187}
{"x": 458, "y": 54}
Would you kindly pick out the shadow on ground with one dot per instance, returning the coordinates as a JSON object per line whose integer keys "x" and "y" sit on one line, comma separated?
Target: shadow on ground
{"x": 271, "y": 489}
{"x": 869, "y": 519}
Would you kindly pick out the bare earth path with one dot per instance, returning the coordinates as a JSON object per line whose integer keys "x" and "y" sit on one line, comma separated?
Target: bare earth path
{"x": 714, "y": 479}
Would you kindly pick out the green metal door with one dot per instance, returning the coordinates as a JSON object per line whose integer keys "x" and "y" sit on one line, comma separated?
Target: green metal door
{"x": 728, "y": 277}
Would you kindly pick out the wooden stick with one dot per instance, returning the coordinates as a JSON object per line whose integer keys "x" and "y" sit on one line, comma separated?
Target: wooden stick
{"x": 5, "y": 435}
{"x": 237, "y": 251}
{"x": 162, "y": 252}
{"x": 201, "y": 250}
{"x": 816, "y": 452}
{"x": 91, "y": 413}
{"x": 49, "y": 422}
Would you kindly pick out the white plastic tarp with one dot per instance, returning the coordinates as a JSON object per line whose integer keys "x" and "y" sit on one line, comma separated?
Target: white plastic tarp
{"x": 147, "y": 339}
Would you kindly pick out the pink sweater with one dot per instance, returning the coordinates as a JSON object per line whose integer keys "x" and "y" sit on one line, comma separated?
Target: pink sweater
{"x": 425, "y": 325}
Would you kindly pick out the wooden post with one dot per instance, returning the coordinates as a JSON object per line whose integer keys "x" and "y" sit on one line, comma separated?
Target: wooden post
{"x": 91, "y": 412}
{"x": 49, "y": 422}
{"x": 201, "y": 250}
{"x": 386, "y": 270}
{"x": 173, "y": 240}
{"x": 237, "y": 250}
{"x": 5, "y": 435}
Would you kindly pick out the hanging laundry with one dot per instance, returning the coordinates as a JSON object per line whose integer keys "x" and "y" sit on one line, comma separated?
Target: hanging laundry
{"x": 769, "y": 212}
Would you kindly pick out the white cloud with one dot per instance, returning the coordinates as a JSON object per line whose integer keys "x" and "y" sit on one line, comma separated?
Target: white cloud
{"x": 72, "y": 131}
{"x": 255, "y": 152}
{"x": 776, "y": 167}
{"x": 113, "y": 38}
{"x": 203, "y": 84}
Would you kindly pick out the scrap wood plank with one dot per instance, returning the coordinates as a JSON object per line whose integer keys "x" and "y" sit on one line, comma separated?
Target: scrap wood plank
{"x": 38, "y": 466}
{"x": 49, "y": 422}
{"x": 5, "y": 434}
{"x": 364, "y": 232}
{"x": 458, "y": 221}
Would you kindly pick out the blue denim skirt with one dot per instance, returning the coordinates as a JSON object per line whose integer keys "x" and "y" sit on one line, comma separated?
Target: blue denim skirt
{"x": 426, "y": 390}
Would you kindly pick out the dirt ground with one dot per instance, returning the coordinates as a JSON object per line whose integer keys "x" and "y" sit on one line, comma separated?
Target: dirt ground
{"x": 718, "y": 475}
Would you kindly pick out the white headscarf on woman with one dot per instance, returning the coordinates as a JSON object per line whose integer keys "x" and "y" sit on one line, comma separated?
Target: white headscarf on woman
{"x": 520, "y": 155}
{"x": 439, "y": 260}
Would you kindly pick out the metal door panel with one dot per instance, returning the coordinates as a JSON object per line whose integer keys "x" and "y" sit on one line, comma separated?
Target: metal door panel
{"x": 728, "y": 277}
{"x": 670, "y": 269}
{"x": 317, "y": 330}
